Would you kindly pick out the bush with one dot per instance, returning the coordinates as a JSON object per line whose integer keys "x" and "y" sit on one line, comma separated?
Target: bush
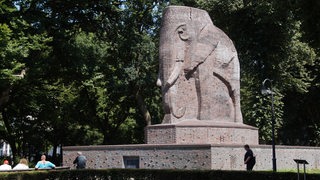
{"x": 147, "y": 174}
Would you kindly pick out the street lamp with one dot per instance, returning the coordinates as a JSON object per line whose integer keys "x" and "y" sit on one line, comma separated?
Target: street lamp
{"x": 268, "y": 91}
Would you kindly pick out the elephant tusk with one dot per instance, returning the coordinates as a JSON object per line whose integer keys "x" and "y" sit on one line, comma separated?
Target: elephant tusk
{"x": 175, "y": 73}
{"x": 177, "y": 112}
{"x": 159, "y": 82}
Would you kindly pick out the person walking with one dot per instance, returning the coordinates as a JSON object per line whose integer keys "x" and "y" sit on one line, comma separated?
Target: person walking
{"x": 80, "y": 161}
{"x": 249, "y": 158}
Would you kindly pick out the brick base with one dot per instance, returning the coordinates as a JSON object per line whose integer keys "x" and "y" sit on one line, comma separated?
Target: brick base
{"x": 202, "y": 132}
{"x": 192, "y": 156}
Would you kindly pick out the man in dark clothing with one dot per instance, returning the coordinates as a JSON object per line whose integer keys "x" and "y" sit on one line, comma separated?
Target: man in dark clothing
{"x": 249, "y": 158}
{"x": 80, "y": 161}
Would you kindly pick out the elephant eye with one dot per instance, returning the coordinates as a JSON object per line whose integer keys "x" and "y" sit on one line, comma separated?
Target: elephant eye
{"x": 182, "y": 31}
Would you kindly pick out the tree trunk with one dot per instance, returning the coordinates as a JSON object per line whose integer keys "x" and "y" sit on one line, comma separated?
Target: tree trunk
{"x": 8, "y": 136}
{"x": 143, "y": 108}
{"x": 4, "y": 96}
{"x": 54, "y": 155}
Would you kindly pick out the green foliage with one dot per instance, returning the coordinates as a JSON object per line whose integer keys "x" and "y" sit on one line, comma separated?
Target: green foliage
{"x": 153, "y": 174}
{"x": 16, "y": 44}
{"x": 302, "y": 125}
{"x": 308, "y": 13}
{"x": 256, "y": 108}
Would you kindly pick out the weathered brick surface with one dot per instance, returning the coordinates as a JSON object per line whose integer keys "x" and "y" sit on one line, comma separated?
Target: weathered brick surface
{"x": 197, "y": 156}
{"x": 199, "y": 70}
{"x": 203, "y": 132}
{"x": 151, "y": 157}
{"x": 231, "y": 158}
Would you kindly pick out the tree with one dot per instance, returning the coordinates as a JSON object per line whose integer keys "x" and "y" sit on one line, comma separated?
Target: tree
{"x": 106, "y": 51}
{"x": 15, "y": 46}
{"x": 302, "y": 126}
{"x": 308, "y": 13}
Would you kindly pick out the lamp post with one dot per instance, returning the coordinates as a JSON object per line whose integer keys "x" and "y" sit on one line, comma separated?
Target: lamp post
{"x": 267, "y": 91}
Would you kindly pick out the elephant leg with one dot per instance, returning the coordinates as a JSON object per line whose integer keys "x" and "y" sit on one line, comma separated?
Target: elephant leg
{"x": 215, "y": 101}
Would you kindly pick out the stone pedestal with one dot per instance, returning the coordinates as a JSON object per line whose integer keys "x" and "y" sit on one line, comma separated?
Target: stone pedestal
{"x": 202, "y": 132}
{"x": 191, "y": 156}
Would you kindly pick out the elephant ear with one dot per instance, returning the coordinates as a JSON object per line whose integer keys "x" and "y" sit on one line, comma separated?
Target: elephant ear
{"x": 202, "y": 47}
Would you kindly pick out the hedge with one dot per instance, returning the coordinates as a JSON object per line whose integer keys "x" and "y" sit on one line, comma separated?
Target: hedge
{"x": 147, "y": 174}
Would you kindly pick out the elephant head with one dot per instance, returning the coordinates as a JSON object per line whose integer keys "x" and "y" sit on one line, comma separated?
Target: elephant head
{"x": 186, "y": 40}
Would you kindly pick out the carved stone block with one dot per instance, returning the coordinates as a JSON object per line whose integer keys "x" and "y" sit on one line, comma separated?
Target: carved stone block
{"x": 199, "y": 68}
{"x": 199, "y": 75}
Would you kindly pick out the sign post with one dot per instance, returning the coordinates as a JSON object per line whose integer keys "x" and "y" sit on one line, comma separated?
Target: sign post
{"x": 304, "y": 162}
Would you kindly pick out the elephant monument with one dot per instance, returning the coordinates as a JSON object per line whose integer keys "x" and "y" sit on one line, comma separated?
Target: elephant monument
{"x": 199, "y": 68}
{"x": 199, "y": 75}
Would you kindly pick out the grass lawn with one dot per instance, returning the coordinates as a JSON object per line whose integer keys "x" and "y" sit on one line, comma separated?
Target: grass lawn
{"x": 309, "y": 171}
